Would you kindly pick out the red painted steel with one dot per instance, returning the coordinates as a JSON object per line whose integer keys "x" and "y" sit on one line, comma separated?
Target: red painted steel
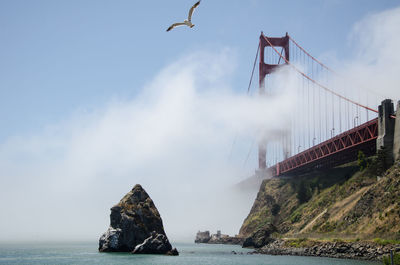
{"x": 266, "y": 69}
{"x": 337, "y": 149}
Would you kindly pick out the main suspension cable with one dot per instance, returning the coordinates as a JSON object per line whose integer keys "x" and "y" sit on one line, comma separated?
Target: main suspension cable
{"x": 315, "y": 82}
{"x": 312, "y": 57}
{"x": 254, "y": 67}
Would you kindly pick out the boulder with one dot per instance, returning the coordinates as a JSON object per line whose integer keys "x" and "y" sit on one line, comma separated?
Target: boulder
{"x": 132, "y": 221}
{"x": 260, "y": 237}
{"x": 155, "y": 244}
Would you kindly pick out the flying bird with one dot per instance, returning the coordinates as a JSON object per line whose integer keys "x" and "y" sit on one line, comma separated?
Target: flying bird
{"x": 188, "y": 21}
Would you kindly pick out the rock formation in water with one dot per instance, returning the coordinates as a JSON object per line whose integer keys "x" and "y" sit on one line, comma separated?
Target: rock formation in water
{"x": 218, "y": 238}
{"x": 202, "y": 237}
{"x": 132, "y": 221}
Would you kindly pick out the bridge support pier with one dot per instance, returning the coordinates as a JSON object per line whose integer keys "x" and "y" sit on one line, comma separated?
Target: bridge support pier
{"x": 262, "y": 155}
{"x": 396, "y": 140}
{"x": 386, "y": 126}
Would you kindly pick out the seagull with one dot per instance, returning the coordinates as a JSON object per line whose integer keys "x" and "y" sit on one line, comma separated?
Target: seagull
{"x": 188, "y": 21}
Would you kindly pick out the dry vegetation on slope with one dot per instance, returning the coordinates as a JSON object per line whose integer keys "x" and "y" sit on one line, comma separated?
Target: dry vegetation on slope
{"x": 343, "y": 202}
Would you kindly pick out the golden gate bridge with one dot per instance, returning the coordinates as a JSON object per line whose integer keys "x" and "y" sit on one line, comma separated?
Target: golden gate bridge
{"x": 329, "y": 124}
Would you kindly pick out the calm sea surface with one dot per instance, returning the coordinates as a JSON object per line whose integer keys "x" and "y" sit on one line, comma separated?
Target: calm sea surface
{"x": 201, "y": 254}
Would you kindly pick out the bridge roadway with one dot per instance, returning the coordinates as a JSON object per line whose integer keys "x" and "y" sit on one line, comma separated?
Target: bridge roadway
{"x": 335, "y": 151}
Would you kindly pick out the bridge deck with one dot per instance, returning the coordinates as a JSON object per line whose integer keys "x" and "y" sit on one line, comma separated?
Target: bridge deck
{"x": 335, "y": 151}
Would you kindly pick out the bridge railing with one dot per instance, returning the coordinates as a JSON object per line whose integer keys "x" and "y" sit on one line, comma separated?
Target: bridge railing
{"x": 339, "y": 149}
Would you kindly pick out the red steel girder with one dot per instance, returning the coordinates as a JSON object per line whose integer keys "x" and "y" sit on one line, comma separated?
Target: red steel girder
{"x": 356, "y": 137}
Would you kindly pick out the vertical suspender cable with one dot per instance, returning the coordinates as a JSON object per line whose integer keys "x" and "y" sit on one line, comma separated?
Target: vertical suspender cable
{"x": 319, "y": 109}
{"x": 340, "y": 115}
{"x": 366, "y": 109}
{"x": 326, "y": 112}
{"x": 348, "y": 115}
{"x": 313, "y": 108}
{"x": 333, "y": 117}
{"x": 303, "y": 58}
{"x": 308, "y": 113}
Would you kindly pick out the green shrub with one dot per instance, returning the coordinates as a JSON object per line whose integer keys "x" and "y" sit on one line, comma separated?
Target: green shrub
{"x": 275, "y": 209}
{"x": 295, "y": 217}
{"x": 328, "y": 226}
{"x": 297, "y": 243}
{"x": 362, "y": 161}
{"x": 382, "y": 161}
{"x": 385, "y": 242}
{"x": 303, "y": 192}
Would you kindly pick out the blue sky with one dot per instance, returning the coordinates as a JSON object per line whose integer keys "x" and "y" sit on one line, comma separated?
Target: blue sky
{"x": 57, "y": 57}
{"x": 96, "y": 96}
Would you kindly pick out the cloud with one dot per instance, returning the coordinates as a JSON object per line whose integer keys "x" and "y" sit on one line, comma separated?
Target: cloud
{"x": 376, "y": 64}
{"x": 174, "y": 138}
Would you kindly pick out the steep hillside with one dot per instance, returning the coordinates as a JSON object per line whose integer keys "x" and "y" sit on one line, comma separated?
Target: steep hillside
{"x": 343, "y": 202}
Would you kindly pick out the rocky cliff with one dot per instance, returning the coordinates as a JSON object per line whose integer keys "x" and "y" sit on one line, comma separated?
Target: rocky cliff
{"x": 343, "y": 202}
{"x": 132, "y": 221}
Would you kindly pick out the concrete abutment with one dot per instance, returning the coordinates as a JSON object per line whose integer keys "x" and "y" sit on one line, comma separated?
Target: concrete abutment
{"x": 389, "y": 130}
{"x": 396, "y": 139}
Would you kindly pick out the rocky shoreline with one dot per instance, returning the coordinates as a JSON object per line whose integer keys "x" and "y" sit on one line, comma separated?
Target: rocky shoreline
{"x": 347, "y": 250}
{"x": 227, "y": 241}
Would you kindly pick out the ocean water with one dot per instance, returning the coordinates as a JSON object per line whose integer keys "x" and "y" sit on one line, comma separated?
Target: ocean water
{"x": 201, "y": 254}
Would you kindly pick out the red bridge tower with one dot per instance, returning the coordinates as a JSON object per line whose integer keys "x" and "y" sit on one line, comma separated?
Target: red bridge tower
{"x": 266, "y": 69}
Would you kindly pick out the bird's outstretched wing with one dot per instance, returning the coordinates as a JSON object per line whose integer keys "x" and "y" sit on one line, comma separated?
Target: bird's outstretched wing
{"x": 192, "y": 10}
{"x": 175, "y": 25}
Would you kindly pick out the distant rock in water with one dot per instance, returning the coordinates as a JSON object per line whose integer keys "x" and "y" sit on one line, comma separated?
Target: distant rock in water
{"x": 218, "y": 238}
{"x": 133, "y": 221}
{"x": 202, "y": 237}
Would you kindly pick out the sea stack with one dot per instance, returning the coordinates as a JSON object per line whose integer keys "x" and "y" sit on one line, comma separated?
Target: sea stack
{"x": 136, "y": 221}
